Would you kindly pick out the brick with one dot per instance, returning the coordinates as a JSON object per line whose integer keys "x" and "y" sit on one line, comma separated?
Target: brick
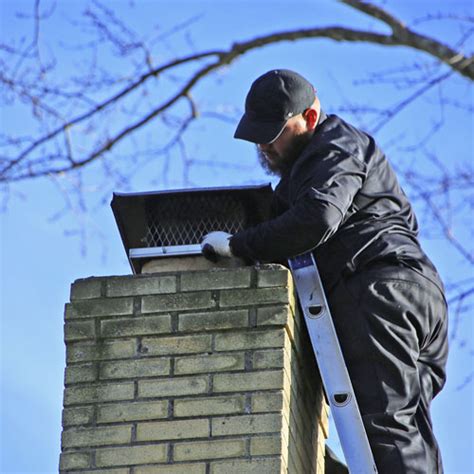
{"x": 216, "y": 279}
{"x": 265, "y": 402}
{"x": 209, "y": 406}
{"x": 171, "y": 430}
{"x": 213, "y": 320}
{"x": 74, "y": 460}
{"x": 254, "y": 466}
{"x": 80, "y": 373}
{"x": 172, "y": 469}
{"x": 99, "y": 307}
{"x": 90, "y": 437}
{"x": 121, "y": 470}
{"x": 261, "y": 445}
{"x": 246, "y": 424}
{"x": 173, "y": 387}
{"x": 178, "y": 302}
{"x": 324, "y": 418}
{"x": 78, "y": 416}
{"x": 98, "y": 393}
{"x": 273, "y": 275}
{"x": 134, "y": 369}
{"x": 274, "y": 315}
{"x": 88, "y": 288}
{"x": 140, "y": 285}
{"x": 78, "y": 330}
{"x": 120, "y": 412}
{"x": 177, "y": 345}
{"x": 270, "y": 359}
{"x": 131, "y": 455}
{"x": 253, "y": 297}
{"x": 258, "y": 380}
{"x": 209, "y": 450}
{"x": 83, "y": 351}
{"x": 252, "y": 339}
{"x": 136, "y": 326}
{"x": 209, "y": 363}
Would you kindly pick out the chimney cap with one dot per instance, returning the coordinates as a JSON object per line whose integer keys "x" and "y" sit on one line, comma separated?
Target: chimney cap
{"x": 170, "y": 222}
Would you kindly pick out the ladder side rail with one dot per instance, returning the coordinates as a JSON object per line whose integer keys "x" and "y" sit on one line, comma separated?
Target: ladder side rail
{"x": 332, "y": 367}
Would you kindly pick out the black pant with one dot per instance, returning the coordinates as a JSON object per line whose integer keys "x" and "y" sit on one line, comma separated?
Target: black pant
{"x": 392, "y": 326}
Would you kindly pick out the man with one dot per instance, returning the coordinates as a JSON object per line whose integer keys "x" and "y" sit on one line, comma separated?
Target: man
{"x": 339, "y": 198}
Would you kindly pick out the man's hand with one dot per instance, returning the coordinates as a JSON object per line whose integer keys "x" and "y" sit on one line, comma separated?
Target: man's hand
{"x": 215, "y": 245}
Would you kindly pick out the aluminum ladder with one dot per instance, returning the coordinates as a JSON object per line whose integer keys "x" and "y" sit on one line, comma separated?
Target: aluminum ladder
{"x": 332, "y": 367}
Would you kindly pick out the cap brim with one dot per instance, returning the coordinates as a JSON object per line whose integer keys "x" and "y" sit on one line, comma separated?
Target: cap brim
{"x": 258, "y": 132}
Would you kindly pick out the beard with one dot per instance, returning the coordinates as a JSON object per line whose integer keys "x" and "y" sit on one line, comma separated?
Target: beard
{"x": 280, "y": 164}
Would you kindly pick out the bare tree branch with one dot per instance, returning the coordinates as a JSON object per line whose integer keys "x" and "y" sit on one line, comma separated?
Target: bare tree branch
{"x": 25, "y": 165}
{"x": 404, "y": 36}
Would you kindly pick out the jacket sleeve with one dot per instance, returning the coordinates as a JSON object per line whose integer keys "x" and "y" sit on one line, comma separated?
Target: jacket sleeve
{"x": 323, "y": 190}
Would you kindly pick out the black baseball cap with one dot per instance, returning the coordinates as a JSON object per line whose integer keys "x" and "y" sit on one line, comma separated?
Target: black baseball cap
{"x": 272, "y": 100}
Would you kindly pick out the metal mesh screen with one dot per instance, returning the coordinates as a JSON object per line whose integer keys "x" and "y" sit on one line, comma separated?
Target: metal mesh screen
{"x": 184, "y": 219}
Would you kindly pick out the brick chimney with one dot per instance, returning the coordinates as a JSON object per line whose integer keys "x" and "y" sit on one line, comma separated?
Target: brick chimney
{"x": 193, "y": 372}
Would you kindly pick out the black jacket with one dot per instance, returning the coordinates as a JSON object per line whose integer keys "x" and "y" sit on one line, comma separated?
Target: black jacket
{"x": 341, "y": 199}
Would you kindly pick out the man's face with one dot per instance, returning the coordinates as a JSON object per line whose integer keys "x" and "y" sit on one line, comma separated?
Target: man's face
{"x": 277, "y": 157}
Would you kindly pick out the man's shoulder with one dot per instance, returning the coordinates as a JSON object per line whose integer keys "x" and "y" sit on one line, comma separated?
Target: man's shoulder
{"x": 334, "y": 137}
{"x": 334, "y": 130}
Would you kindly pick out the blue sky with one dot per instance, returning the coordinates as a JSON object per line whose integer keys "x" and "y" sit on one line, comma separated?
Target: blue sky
{"x": 43, "y": 250}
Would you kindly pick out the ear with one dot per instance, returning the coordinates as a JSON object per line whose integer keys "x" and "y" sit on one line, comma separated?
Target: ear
{"x": 311, "y": 118}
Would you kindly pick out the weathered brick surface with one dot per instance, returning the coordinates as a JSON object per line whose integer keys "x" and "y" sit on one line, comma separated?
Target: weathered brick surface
{"x": 213, "y": 320}
{"x": 252, "y": 339}
{"x": 136, "y": 411}
{"x": 178, "y": 302}
{"x": 86, "y": 289}
{"x": 120, "y": 470}
{"x": 99, "y": 307}
{"x": 273, "y": 275}
{"x": 98, "y": 393}
{"x": 177, "y": 345}
{"x": 273, "y": 315}
{"x": 135, "y": 326}
{"x": 172, "y": 430}
{"x": 131, "y": 455}
{"x": 135, "y": 368}
{"x": 100, "y": 350}
{"x": 216, "y": 279}
{"x": 210, "y": 449}
{"x": 205, "y": 363}
{"x": 253, "y": 297}
{"x": 141, "y": 285}
{"x": 209, "y": 406}
{"x": 74, "y": 460}
{"x": 81, "y": 373}
{"x": 263, "y": 380}
{"x": 77, "y": 330}
{"x": 247, "y": 424}
{"x": 97, "y": 436}
{"x": 269, "y": 359}
{"x": 266, "y": 445}
{"x": 173, "y": 387}
{"x": 267, "y": 401}
{"x": 190, "y": 372}
{"x": 181, "y": 468}
{"x": 78, "y": 416}
{"x": 254, "y": 466}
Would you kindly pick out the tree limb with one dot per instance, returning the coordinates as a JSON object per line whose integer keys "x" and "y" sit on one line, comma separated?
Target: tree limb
{"x": 400, "y": 36}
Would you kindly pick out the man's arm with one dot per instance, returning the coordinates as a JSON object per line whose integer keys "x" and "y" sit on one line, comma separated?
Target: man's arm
{"x": 324, "y": 186}
{"x": 304, "y": 226}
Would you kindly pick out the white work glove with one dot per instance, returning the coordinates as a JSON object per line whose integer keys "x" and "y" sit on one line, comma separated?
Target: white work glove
{"x": 215, "y": 245}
